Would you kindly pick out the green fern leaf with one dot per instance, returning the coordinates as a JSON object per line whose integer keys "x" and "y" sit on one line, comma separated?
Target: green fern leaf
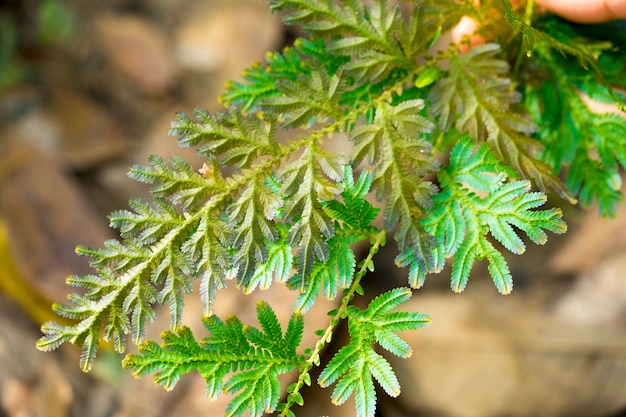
{"x": 593, "y": 182}
{"x": 240, "y": 360}
{"x": 148, "y": 223}
{"x": 207, "y": 249}
{"x": 353, "y": 220}
{"x": 261, "y": 81}
{"x": 355, "y": 213}
{"x": 502, "y": 206}
{"x": 179, "y": 184}
{"x": 254, "y": 229}
{"x": 400, "y": 159}
{"x": 478, "y": 101}
{"x": 330, "y": 275}
{"x": 576, "y": 138}
{"x": 304, "y": 182}
{"x": 313, "y": 96}
{"x": 377, "y": 39}
{"x": 260, "y": 210}
{"x": 234, "y": 138}
{"x": 355, "y": 366}
{"x": 277, "y": 267}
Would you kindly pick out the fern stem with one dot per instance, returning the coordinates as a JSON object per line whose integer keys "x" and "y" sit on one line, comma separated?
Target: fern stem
{"x": 530, "y": 10}
{"x": 377, "y": 241}
{"x": 528, "y": 18}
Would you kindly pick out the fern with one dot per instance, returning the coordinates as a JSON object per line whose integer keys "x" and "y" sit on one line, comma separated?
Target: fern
{"x": 250, "y": 359}
{"x": 357, "y": 364}
{"x": 477, "y": 201}
{"x": 575, "y": 134}
{"x": 456, "y": 153}
{"x": 353, "y": 220}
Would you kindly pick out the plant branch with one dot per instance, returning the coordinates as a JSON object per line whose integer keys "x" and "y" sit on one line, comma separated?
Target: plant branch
{"x": 294, "y": 396}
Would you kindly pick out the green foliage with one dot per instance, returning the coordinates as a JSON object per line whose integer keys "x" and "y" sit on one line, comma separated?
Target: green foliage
{"x": 456, "y": 154}
{"x": 352, "y": 222}
{"x": 356, "y": 365}
{"x": 478, "y": 200}
{"x": 250, "y": 359}
{"x": 587, "y": 146}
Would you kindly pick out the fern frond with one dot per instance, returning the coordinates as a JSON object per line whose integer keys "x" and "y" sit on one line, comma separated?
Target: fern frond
{"x": 477, "y": 200}
{"x": 147, "y": 223}
{"x": 394, "y": 145}
{"x": 303, "y": 183}
{"x": 277, "y": 267}
{"x": 233, "y": 138}
{"x": 262, "y": 210}
{"x": 588, "y": 146}
{"x": 208, "y": 251}
{"x": 476, "y": 99}
{"x": 235, "y": 359}
{"x": 353, "y": 220}
{"x": 179, "y": 183}
{"x": 355, "y": 366}
{"x": 252, "y": 215}
{"x": 205, "y": 242}
{"x": 329, "y": 275}
{"x": 399, "y": 156}
{"x": 355, "y": 213}
{"x": 594, "y": 183}
{"x": 378, "y": 39}
{"x": 312, "y": 96}
{"x": 176, "y": 247}
{"x": 261, "y": 80}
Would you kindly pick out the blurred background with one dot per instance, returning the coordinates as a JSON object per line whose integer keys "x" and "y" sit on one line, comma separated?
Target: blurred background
{"x": 87, "y": 89}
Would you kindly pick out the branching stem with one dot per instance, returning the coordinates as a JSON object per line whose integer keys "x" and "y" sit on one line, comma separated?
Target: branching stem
{"x": 377, "y": 242}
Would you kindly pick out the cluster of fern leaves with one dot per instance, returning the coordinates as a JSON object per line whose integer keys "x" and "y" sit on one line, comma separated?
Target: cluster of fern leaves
{"x": 506, "y": 117}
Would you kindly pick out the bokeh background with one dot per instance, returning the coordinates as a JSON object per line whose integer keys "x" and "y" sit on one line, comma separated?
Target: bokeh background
{"x": 89, "y": 88}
